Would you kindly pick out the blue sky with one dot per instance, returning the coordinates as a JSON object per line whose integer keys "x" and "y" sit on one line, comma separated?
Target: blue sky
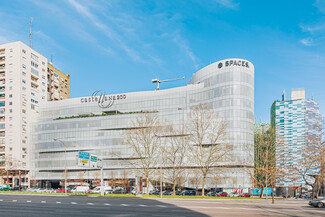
{"x": 120, "y": 45}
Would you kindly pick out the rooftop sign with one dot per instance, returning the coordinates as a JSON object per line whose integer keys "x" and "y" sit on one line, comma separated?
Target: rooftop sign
{"x": 103, "y": 101}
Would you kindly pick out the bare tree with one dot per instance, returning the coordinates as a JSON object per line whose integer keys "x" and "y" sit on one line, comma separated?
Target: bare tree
{"x": 207, "y": 135}
{"x": 125, "y": 181}
{"x": 144, "y": 142}
{"x": 269, "y": 164}
{"x": 195, "y": 178}
{"x": 175, "y": 152}
{"x": 311, "y": 162}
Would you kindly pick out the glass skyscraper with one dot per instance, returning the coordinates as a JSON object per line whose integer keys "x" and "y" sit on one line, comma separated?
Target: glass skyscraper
{"x": 297, "y": 122}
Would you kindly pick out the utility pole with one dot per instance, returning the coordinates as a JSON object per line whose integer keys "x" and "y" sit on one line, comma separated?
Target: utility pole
{"x": 160, "y": 181}
{"x": 30, "y": 32}
{"x": 101, "y": 179}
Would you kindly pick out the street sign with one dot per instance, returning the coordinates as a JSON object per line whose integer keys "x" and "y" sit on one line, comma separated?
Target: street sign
{"x": 93, "y": 161}
{"x": 83, "y": 159}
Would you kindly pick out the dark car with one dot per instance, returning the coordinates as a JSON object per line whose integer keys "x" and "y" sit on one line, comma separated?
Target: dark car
{"x": 222, "y": 194}
{"x": 118, "y": 191}
{"x": 178, "y": 192}
{"x": 14, "y": 189}
{"x": 167, "y": 193}
{"x": 211, "y": 193}
{"x": 188, "y": 193}
{"x": 318, "y": 202}
{"x": 154, "y": 192}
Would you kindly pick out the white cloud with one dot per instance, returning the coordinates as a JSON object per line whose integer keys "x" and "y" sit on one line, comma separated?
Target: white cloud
{"x": 312, "y": 29}
{"x": 182, "y": 44}
{"x": 320, "y": 4}
{"x": 229, "y": 4}
{"x": 111, "y": 34}
{"x": 307, "y": 41}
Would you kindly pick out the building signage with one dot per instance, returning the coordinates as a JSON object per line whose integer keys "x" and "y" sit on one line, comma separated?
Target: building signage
{"x": 241, "y": 63}
{"x": 102, "y": 99}
{"x": 83, "y": 159}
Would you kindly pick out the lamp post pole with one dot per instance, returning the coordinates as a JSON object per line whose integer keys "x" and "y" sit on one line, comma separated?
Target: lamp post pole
{"x": 65, "y": 165}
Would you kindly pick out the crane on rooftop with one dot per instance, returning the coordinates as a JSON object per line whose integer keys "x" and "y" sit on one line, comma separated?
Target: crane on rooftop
{"x": 156, "y": 80}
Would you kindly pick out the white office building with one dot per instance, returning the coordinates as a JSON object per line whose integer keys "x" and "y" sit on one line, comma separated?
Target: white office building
{"x": 23, "y": 89}
{"x": 81, "y": 124}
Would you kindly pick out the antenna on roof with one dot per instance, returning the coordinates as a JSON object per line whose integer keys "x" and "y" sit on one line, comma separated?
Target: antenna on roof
{"x": 30, "y": 32}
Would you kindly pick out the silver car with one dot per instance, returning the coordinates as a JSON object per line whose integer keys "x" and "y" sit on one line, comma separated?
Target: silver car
{"x": 318, "y": 202}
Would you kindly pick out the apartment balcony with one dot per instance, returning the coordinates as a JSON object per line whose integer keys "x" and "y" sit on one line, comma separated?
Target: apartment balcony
{"x": 34, "y": 82}
{"x": 56, "y": 83}
{"x": 2, "y": 81}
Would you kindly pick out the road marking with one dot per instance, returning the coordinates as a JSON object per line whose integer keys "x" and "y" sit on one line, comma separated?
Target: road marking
{"x": 90, "y": 204}
{"x": 142, "y": 205}
{"x": 1, "y": 199}
{"x": 43, "y": 201}
{"x": 124, "y": 205}
{"x": 107, "y": 204}
{"x": 73, "y": 203}
{"x": 28, "y": 201}
{"x": 58, "y": 202}
{"x": 161, "y": 205}
{"x": 14, "y": 200}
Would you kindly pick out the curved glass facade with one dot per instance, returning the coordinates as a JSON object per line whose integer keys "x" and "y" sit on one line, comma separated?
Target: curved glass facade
{"x": 226, "y": 86}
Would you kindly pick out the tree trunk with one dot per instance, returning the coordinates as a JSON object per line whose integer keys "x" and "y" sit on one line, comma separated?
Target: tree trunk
{"x": 174, "y": 185}
{"x": 272, "y": 192}
{"x": 203, "y": 185}
{"x": 147, "y": 179}
{"x": 261, "y": 194}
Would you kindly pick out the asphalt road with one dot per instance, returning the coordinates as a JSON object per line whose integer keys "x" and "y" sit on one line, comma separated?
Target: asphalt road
{"x": 35, "y": 205}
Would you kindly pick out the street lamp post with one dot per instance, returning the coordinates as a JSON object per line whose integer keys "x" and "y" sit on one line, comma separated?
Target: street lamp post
{"x": 65, "y": 165}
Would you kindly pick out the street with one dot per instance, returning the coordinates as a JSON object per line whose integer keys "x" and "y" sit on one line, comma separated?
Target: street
{"x": 35, "y": 205}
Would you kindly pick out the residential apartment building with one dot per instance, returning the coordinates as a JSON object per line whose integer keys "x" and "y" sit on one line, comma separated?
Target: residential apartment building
{"x": 23, "y": 89}
{"x": 296, "y": 122}
{"x": 58, "y": 84}
{"x": 23, "y": 77}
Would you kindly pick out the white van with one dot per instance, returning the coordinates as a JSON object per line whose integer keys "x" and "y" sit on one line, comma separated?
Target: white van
{"x": 97, "y": 189}
{"x": 80, "y": 189}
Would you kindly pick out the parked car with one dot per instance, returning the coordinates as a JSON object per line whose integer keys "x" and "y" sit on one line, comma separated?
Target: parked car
{"x": 245, "y": 195}
{"x": 178, "y": 192}
{"x": 167, "y": 193}
{"x": 233, "y": 194}
{"x": 61, "y": 190}
{"x": 222, "y": 194}
{"x": 14, "y": 189}
{"x": 318, "y": 202}
{"x": 97, "y": 190}
{"x": 188, "y": 193}
{"x": 80, "y": 189}
{"x": 118, "y": 191}
{"x": 154, "y": 192}
{"x": 109, "y": 191}
{"x": 211, "y": 193}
